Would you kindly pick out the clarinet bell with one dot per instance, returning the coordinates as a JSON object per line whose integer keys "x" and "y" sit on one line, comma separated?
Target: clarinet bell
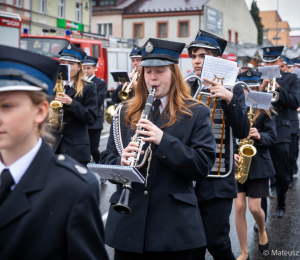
{"x": 122, "y": 205}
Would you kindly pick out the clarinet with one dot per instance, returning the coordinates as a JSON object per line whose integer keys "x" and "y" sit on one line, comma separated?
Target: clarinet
{"x": 122, "y": 205}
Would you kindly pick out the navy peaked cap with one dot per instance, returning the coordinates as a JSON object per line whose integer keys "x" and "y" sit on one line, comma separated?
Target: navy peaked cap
{"x": 72, "y": 53}
{"x": 89, "y": 60}
{"x": 290, "y": 62}
{"x": 208, "y": 40}
{"x": 156, "y": 52}
{"x": 250, "y": 77}
{"x": 284, "y": 59}
{"x": 135, "y": 53}
{"x": 297, "y": 61}
{"x": 24, "y": 70}
{"x": 272, "y": 53}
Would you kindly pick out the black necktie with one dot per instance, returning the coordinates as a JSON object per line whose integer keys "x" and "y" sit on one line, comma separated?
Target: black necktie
{"x": 66, "y": 87}
{"x": 6, "y": 182}
{"x": 156, "y": 112}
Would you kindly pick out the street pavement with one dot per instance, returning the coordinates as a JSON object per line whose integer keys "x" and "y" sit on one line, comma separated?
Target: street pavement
{"x": 283, "y": 233}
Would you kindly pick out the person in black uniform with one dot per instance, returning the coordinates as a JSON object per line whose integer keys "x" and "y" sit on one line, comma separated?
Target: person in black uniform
{"x": 136, "y": 59}
{"x": 49, "y": 204}
{"x": 290, "y": 65}
{"x": 283, "y": 65}
{"x": 263, "y": 132}
{"x": 215, "y": 195}
{"x": 165, "y": 223}
{"x": 287, "y": 88}
{"x": 80, "y": 108}
{"x": 90, "y": 66}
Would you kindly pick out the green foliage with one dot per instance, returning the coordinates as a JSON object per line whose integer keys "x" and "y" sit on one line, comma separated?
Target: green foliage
{"x": 255, "y": 15}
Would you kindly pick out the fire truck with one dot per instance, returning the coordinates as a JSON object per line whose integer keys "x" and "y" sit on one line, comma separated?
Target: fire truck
{"x": 10, "y": 25}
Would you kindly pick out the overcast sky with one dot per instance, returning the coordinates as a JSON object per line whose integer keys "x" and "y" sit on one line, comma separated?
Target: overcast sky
{"x": 289, "y": 11}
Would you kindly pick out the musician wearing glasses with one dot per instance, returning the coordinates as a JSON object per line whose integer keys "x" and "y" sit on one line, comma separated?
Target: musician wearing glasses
{"x": 80, "y": 108}
{"x": 164, "y": 222}
{"x": 136, "y": 59}
{"x": 287, "y": 88}
{"x": 49, "y": 204}
{"x": 215, "y": 195}
{"x": 256, "y": 186}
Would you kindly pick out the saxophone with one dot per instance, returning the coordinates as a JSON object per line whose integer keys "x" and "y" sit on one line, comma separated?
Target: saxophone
{"x": 56, "y": 107}
{"x": 246, "y": 152}
{"x": 122, "y": 205}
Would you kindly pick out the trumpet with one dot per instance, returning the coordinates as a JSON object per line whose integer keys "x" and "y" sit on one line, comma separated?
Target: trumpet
{"x": 124, "y": 93}
{"x": 275, "y": 97}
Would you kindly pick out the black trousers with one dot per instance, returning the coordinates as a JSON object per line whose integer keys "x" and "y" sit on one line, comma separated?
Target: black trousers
{"x": 293, "y": 156}
{"x": 94, "y": 135}
{"x": 280, "y": 158}
{"x": 215, "y": 217}
{"x": 179, "y": 255}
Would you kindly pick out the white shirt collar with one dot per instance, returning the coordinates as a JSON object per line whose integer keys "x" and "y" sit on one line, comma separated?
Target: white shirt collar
{"x": 90, "y": 78}
{"x": 70, "y": 83}
{"x": 19, "y": 167}
{"x": 163, "y": 104}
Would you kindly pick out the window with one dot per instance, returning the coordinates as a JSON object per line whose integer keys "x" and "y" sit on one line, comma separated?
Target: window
{"x": 42, "y": 6}
{"x": 95, "y": 50}
{"x": 78, "y": 11}
{"x": 229, "y": 35}
{"x": 162, "y": 29}
{"x": 93, "y": 3}
{"x": 236, "y": 37}
{"x": 18, "y": 3}
{"x": 61, "y": 8}
{"x": 105, "y": 28}
{"x": 138, "y": 30}
{"x": 107, "y": 2}
{"x": 183, "y": 28}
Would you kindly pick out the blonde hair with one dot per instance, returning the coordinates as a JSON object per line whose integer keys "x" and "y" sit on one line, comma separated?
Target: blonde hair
{"x": 179, "y": 93}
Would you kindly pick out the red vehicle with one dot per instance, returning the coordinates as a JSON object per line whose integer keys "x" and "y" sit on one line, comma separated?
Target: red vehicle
{"x": 10, "y": 25}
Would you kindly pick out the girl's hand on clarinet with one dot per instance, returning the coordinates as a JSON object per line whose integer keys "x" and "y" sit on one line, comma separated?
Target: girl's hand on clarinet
{"x": 129, "y": 151}
{"x": 153, "y": 133}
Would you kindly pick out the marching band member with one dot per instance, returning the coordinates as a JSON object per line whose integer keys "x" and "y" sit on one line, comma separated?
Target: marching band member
{"x": 256, "y": 187}
{"x": 215, "y": 195}
{"x": 165, "y": 222}
{"x": 80, "y": 108}
{"x": 283, "y": 65}
{"x": 287, "y": 87}
{"x": 136, "y": 59}
{"x": 90, "y": 66}
{"x": 290, "y": 65}
{"x": 49, "y": 204}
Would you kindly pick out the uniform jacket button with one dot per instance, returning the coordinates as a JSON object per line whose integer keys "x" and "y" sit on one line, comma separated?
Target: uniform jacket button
{"x": 163, "y": 157}
{"x": 61, "y": 136}
{"x": 145, "y": 193}
{"x": 234, "y": 105}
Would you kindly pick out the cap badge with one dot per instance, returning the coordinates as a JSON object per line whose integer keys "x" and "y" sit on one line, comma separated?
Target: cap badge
{"x": 69, "y": 47}
{"x": 267, "y": 50}
{"x": 81, "y": 169}
{"x": 249, "y": 73}
{"x": 135, "y": 48}
{"x": 149, "y": 47}
{"x": 198, "y": 34}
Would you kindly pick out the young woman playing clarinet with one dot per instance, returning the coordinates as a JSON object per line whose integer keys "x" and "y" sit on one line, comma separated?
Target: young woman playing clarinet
{"x": 49, "y": 204}
{"x": 256, "y": 187}
{"x": 164, "y": 214}
{"x": 80, "y": 108}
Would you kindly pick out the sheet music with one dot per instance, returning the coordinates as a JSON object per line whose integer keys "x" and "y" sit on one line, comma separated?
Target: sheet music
{"x": 107, "y": 172}
{"x": 219, "y": 70}
{"x": 120, "y": 76}
{"x": 297, "y": 72}
{"x": 259, "y": 99}
{"x": 269, "y": 72}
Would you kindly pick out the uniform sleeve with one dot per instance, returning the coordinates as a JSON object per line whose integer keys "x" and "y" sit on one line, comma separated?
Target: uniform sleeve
{"x": 236, "y": 113}
{"x": 268, "y": 133}
{"x": 114, "y": 95}
{"x": 291, "y": 97}
{"x": 86, "y": 112}
{"x": 85, "y": 234}
{"x": 102, "y": 90}
{"x": 196, "y": 160}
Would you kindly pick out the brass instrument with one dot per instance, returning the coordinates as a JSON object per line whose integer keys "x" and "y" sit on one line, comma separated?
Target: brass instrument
{"x": 124, "y": 93}
{"x": 122, "y": 205}
{"x": 275, "y": 97}
{"x": 109, "y": 114}
{"x": 246, "y": 152}
{"x": 56, "y": 107}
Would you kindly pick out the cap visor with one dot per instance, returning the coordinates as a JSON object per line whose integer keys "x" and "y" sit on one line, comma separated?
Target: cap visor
{"x": 69, "y": 58}
{"x": 156, "y": 62}
{"x": 202, "y": 45}
{"x": 20, "y": 87}
{"x": 270, "y": 58}
{"x": 88, "y": 63}
{"x": 135, "y": 56}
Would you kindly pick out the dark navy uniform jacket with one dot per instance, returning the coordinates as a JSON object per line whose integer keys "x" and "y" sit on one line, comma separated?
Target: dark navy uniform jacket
{"x": 294, "y": 116}
{"x": 53, "y": 212}
{"x": 101, "y": 89}
{"x": 74, "y": 137}
{"x": 288, "y": 99}
{"x": 236, "y": 118}
{"x": 261, "y": 164}
{"x": 114, "y": 94}
{"x": 167, "y": 218}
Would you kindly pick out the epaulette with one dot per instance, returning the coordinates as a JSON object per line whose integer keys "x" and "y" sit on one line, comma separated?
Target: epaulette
{"x": 72, "y": 165}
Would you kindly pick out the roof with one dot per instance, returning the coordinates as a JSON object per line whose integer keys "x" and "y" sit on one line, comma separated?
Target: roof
{"x": 157, "y": 6}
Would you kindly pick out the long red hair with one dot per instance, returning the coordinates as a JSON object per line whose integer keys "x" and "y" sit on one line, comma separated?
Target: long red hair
{"x": 177, "y": 104}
